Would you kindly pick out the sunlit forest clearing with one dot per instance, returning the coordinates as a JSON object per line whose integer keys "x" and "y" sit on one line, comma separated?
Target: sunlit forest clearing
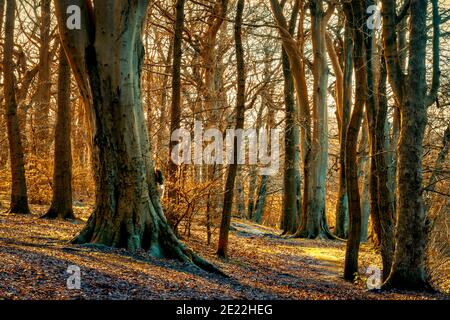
{"x": 224, "y": 149}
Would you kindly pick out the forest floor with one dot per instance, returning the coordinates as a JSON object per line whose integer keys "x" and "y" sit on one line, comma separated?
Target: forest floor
{"x": 35, "y": 256}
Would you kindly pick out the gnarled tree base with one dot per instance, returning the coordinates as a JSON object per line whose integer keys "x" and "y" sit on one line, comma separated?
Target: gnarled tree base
{"x": 320, "y": 231}
{"x": 289, "y": 231}
{"x": 157, "y": 238}
{"x": 409, "y": 282}
{"x": 19, "y": 207}
{"x": 322, "y": 234}
{"x": 54, "y": 213}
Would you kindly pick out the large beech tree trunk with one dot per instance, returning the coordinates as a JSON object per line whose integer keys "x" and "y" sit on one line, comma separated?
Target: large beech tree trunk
{"x": 19, "y": 198}
{"x": 128, "y": 211}
{"x": 61, "y": 206}
{"x": 408, "y": 267}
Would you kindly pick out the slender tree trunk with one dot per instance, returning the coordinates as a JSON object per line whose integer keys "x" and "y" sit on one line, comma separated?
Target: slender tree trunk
{"x": 341, "y": 229}
{"x": 2, "y": 14}
{"x": 43, "y": 94}
{"x": 251, "y": 193}
{"x": 355, "y": 15}
{"x": 439, "y": 164}
{"x": 208, "y": 52}
{"x": 19, "y": 197}
{"x": 385, "y": 205}
{"x": 163, "y": 135}
{"x": 3, "y": 121}
{"x": 240, "y": 196}
{"x": 81, "y": 140}
{"x": 371, "y": 116}
{"x": 363, "y": 175}
{"x": 290, "y": 218}
{"x": 222, "y": 250}
{"x": 253, "y": 169}
{"x": 261, "y": 199}
{"x": 402, "y": 44}
{"x": 61, "y": 206}
{"x": 175, "y": 112}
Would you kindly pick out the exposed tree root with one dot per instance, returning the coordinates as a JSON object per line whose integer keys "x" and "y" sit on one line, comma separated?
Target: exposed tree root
{"x": 396, "y": 281}
{"x": 158, "y": 240}
{"x": 324, "y": 233}
{"x": 19, "y": 208}
{"x": 15, "y": 211}
{"x": 56, "y": 214}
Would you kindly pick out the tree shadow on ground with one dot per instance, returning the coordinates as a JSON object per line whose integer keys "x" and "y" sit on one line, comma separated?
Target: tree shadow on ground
{"x": 110, "y": 276}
